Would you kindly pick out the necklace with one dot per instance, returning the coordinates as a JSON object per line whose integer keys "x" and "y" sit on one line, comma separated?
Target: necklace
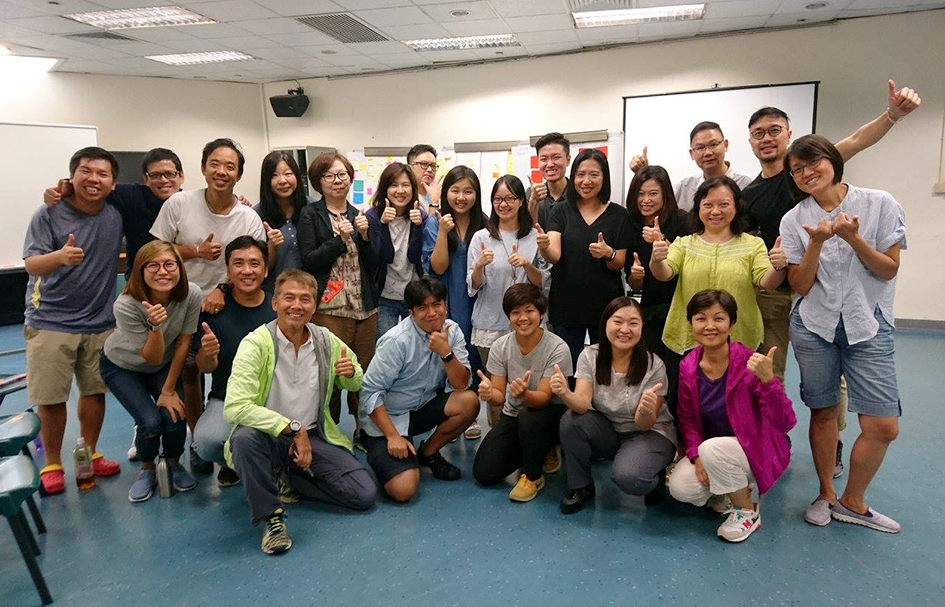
{"x": 518, "y": 244}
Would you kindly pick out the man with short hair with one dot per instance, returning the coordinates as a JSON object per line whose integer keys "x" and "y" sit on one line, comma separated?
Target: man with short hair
{"x": 277, "y": 370}
{"x": 247, "y": 306}
{"x": 201, "y": 223}
{"x": 707, "y": 148}
{"x": 71, "y": 255}
{"x": 771, "y": 195}
{"x": 418, "y": 380}
{"x": 554, "y": 156}
{"x": 422, "y": 161}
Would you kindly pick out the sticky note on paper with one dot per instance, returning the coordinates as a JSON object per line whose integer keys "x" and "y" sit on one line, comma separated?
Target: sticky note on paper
{"x": 358, "y": 198}
{"x": 358, "y": 185}
{"x": 370, "y": 191}
{"x": 534, "y": 161}
{"x": 536, "y": 177}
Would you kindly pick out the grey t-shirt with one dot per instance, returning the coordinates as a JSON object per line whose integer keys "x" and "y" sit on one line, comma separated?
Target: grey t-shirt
{"x": 506, "y": 359}
{"x": 131, "y": 330}
{"x": 76, "y": 299}
{"x": 400, "y": 272}
{"x": 618, "y": 401}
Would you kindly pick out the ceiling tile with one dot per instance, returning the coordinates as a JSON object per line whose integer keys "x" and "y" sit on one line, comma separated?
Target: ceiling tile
{"x": 232, "y": 10}
{"x": 301, "y": 62}
{"x": 131, "y": 3}
{"x": 872, "y": 4}
{"x": 308, "y": 38}
{"x": 50, "y": 43}
{"x": 350, "y": 60}
{"x": 539, "y": 23}
{"x": 359, "y": 5}
{"x": 16, "y": 11}
{"x": 246, "y": 43}
{"x": 415, "y": 32}
{"x": 265, "y": 27}
{"x": 526, "y": 8}
{"x": 82, "y": 65}
{"x": 551, "y": 37}
{"x": 330, "y": 49}
{"x": 51, "y": 24}
{"x": 742, "y": 8}
{"x": 280, "y": 52}
{"x": 399, "y": 60}
{"x": 407, "y": 15}
{"x": 486, "y": 27}
{"x": 10, "y": 32}
{"x": 501, "y": 53}
{"x": 475, "y": 11}
{"x": 147, "y": 48}
{"x": 788, "y": 7}
{"x": 375, "y": 48}
{"x": 157, "y": 34}
{"x": 788, "y": 19}
{"x": 733, "y": 23}
{"x": 211, "y": 31}
{"x": 97, "y": 53}
{"x": 63, "y": 7}
{"x": 292, "y": 8}
{"x": 555, "y": 47}
{"x": 436, "y": 56}
{"x": 672, "y": 29}
{"x": 195, "y": 45}
{"x": 616, "y": 34}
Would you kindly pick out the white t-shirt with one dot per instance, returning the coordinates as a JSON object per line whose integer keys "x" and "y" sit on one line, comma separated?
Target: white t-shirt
{"x": 685, "y": 189}
{"x": 185, "y": 218}
{"x": 401, "y": 271}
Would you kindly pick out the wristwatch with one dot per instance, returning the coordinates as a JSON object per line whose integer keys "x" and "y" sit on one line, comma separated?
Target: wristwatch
{"x": 151, "y": 327}
{"x": 225, "y": 288}
{"x": 448, "y": 357}
{"x": 295, "y": 426}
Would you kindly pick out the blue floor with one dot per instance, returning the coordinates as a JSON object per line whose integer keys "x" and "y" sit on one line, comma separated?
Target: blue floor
{"x": 460, "y": 545}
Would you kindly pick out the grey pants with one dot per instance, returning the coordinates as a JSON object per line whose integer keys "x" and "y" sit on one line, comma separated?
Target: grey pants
{"x": 211, "y": 433}
{"x": 335, "y": 477}
{"x": 638, "y": 457}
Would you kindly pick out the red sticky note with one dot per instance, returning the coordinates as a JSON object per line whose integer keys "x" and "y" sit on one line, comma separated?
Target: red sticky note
{"x": 536, "y": 177}
{"x": 534, "y": 162}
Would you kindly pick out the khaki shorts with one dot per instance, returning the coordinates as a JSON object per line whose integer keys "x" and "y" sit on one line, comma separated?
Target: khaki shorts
{"x": 53, "y": 357}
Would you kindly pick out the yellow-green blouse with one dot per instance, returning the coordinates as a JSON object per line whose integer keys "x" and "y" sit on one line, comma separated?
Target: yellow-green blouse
{"x": 735, "y": 266}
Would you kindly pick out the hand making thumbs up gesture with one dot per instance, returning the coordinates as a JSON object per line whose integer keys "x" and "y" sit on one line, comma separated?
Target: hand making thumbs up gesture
{"x": 208, "y": 249}
{"x": 639, "y": 161}
{"x": 637, "y": 272}
{"x": 600, "y": 249}
{"x": 901, "y": 102}
{"x": 273, "y": 235}
{"x": 516, "y": 260}
{"x": 542, "y": 238}
{"x": 519, "y": 385}
{"x": 439, "y": 342}
{"x": 415, "y": 217}
{"x": 361, "y": 224}
{"x": 652, "y": 234}
{"x": 69, "y": 254}
{"x": 648, "y": 406}
{"x": 559, "y": 383}
{"x": 157, "y": 314}
{"x": 762, "y": 365}
{"x": 388, "y": 213}
{"x": 344, "y": 366}
{"x": 660, "y": 246}
{"x": 485, "y": 386}
{"x": 777, "y": 256}
{"x": 485, "y": 257}
{"x": 209, "y": 344}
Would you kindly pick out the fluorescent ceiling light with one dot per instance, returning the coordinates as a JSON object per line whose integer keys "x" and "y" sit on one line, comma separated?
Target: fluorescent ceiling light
{"x": 201, "y": 58}
{"x": 634, "y": 16}
{"x": 130, "y": 18}
{"x": 14, "y": 65}
{"x": 463, "y": 43}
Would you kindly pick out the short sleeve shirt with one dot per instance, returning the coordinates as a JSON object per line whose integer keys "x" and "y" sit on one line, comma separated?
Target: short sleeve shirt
{"x": 74, "y": 299}
{"x": 507, "y": 360}
{"x": 139, "y": 207}
{"x": 686, "y": 188}
{"x": 844, "y": 287}
{"x": 618, "y": 401}
{"x": 185, "y": 218}
{"x": 582, "y": 286}
{"x": 766, "y": 200}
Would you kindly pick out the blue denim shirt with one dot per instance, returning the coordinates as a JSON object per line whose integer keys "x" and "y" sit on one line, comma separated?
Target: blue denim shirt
{"x": 405, "y": 374}
{"x": 844, "y": 286}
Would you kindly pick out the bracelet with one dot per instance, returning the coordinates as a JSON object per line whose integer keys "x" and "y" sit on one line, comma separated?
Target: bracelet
{"x": 613, "y": 256}
{"x": 197, "y": 252}
{"x": 891, "y": 119}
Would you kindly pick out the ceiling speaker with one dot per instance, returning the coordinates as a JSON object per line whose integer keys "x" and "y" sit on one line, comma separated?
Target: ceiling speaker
{"x": 292, "y": 105}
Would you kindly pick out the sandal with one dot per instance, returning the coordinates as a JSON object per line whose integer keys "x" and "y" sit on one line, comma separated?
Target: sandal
{"x": 52, "y": 480}
{"x": 102, "y": 466}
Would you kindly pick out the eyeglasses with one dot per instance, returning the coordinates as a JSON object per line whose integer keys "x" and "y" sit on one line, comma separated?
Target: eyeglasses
{"x": 426, "y": 166}
{"x": 341, "y": 176}
{"x": 507, "y": 200}
{"x": 799, "y": 170}
{"x": 700, "y": 149}
{"x": 154, "y": 267}
{"x": 774, "y": 131}
{"x": 156, "y": 176}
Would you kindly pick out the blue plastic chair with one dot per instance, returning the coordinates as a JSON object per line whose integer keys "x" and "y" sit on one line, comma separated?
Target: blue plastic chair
{"x": 16, "y": 432}
{"x": 19, "y": 479}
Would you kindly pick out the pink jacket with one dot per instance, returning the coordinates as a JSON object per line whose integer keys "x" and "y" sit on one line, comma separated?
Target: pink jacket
{"x": 760, "y": 414}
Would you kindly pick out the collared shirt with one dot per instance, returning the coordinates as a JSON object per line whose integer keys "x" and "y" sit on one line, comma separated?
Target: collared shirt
{"x": 546, "y": 204}
{"x": 844, "y": 286}
{"x": 686, "y": 188}
{"x": 294, "y": 391}
{"x": 405, "y": 374}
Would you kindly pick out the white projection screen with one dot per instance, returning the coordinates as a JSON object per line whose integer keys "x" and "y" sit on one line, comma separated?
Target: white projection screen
{"x": 663, "y": 122}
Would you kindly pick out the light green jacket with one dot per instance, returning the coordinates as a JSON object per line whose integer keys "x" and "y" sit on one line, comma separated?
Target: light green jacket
{"x": 251, "y": 379}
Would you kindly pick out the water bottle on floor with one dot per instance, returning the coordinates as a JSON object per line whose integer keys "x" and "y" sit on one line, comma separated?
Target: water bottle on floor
{"x": 82, "y": 458}
{"x": 163, "y": 473}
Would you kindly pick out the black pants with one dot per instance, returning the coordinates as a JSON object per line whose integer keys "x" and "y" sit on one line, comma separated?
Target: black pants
{"x": 518, "y": 442}
{"x": 574, "y": 337}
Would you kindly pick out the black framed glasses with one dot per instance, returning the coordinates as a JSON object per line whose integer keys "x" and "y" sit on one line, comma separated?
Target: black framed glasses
{"x": 154, "y": 267}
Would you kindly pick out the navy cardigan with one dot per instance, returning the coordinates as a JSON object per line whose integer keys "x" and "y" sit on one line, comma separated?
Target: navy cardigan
{"x": 383, "y": 246}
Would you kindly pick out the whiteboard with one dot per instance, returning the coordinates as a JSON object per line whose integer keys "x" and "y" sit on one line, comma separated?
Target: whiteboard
{"x": 33, "y": 157}
{"x": 663, "y": 122}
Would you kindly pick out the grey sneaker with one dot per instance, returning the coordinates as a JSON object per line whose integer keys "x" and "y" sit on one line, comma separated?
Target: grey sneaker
{"x": 872, "y": 519}
{"x": 182, "y": 478}
{"x": 818, "y": 513}
{"x": 143, "y": 488}
{"x": 473, "y": 432}
{"x": 838, "y": 466}
{"x": 275, "y": 539}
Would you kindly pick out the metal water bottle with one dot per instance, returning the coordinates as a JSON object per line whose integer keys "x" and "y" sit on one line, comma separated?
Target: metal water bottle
{"x": 163, "y": 473}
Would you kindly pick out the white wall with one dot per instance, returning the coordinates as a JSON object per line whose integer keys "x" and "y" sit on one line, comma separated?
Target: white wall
{"x": 516, "y": 99}
{"x": 137, "y": 114}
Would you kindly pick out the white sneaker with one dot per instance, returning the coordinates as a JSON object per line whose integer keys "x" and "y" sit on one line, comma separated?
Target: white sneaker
{"x": 473, "y": 432}
{"x": 872, "y": 519}
{"x": 133, "y": 450}
{"x": 739, "y": 525}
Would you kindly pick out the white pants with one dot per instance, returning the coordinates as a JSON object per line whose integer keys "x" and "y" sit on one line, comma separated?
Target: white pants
{"x": 725, "y": 464}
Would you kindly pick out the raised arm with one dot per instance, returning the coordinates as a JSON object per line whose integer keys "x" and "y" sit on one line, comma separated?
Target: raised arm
{"x": 900, "y": 104}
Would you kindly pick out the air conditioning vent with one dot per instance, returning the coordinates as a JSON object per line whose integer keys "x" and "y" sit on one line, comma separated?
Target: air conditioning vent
{"x": 100, "y": 36}
{"x": 342, "y": 27}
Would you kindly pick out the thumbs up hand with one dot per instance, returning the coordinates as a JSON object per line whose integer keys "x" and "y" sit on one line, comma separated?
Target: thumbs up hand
{"x": 485, "y": 257}
{"x": 649, "y": 403}
{"x": 660, "y": 246}
{"x": 542, "y": 238}
{"x": 762, "y": 365}
{"x": 344, "y": 366}
{"x": 415, "y": 217}
{"x": 485, "y": 386}
{"x": 208, "y": 249}
{"x": 559, "y": 383}
{"x": 902, "y": 102}
{"x": 345, "y": 229}
{"x": 516, "y": 260}
{"x": 600, "y": 249}
{"x": 209, "y": 344}
{"x": 637, "y": 272}
{"x": 639, "y": 161}
{"x": 157, "y": 314}
{"x": 71, "y": 255}
{"x": 652, "y": 234}
{"x": 777, "y": 256}
{"x": 389, "y": 212}
{"x": 273, "y": 235}
{"x": 439, "y": 342}
{"x": 519, "y": 385}
{"x": 446, "y": 225}
{"x": 361, "y": 224}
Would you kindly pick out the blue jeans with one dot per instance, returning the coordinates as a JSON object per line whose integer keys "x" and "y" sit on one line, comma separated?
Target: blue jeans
{"x": 138, "y": 392}
{"x": 211, "y": 433}
{"x": 389, "y": 313}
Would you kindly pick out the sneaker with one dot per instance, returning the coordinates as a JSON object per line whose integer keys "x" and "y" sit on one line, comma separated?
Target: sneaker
{"x": 182, "y": 479}
{"x": 576, "y": 498}
{"x": 287, "y": 495}
{"x": 143, "y": 488}
{"x": 52, "y": 480}
{"x": 133, "y": 449}
{"x": 473, "y": 432}
{"x": 552, "y": 461}
{"x": 872, "y": 519}
{"x": 719, "y": 503}
{"x": 526, "y": 490}
{"x": 818, "y": 513}
{"x": 103, "y": 466}
{"x": 739, "y": 525}
{"x": 227, "y": 477}
{"x": 275, "y": 539}
{"x": 438, "y": 465}
{"x": 838, "y": 466}
{"x": 198, "y": 465}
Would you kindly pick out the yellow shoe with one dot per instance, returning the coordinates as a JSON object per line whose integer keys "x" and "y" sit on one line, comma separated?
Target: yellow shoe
{"x": 526, "y": 490}
{"x": 552, "y": 461}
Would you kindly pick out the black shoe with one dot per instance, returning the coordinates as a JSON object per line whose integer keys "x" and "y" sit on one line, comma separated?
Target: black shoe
{"x": 437, "y": 464}
{"x": 576, "y": 498}
{"x": 227, "y": 477}
{"x": 658, "y": 494}
{"x": 198, "y": 465}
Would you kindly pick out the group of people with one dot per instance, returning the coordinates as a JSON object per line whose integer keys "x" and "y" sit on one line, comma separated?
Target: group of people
{"x": 421, "y": 310}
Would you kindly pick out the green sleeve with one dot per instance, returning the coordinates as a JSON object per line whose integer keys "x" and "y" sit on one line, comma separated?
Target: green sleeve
{"x": 244, "y": 404}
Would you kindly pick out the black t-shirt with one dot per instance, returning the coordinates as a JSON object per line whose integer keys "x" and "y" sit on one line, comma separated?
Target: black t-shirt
{"x": 766, "y": 202}
{"x": 546, "y": 204}
{"x": 139, "y": 207}
{"x": 582, "y": 286}
{"x": 230, "y": 326}
{"x": 657, "y": 295}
